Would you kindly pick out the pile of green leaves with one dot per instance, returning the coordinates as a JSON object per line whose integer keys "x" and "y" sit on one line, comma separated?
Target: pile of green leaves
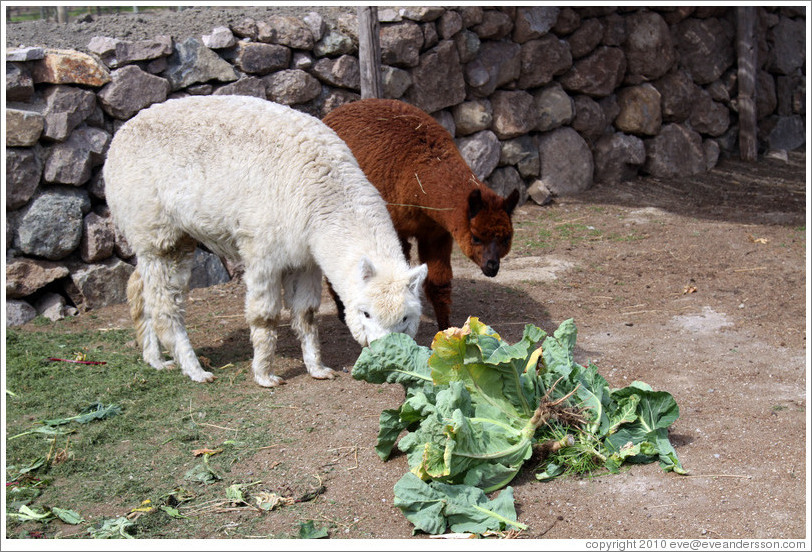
{"x": 476, "y": 407}
{"x": 96, "y": 411}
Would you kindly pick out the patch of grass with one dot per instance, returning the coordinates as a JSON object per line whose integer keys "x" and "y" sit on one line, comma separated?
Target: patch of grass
{"x": 106, "y": 467}
{"x": 548, "y": 233}
{"x": 630, "y": 237}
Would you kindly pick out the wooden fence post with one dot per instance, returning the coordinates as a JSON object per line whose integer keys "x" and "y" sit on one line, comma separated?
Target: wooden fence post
{"x": 369, "y": 52}
{"x": 747, "y": 66}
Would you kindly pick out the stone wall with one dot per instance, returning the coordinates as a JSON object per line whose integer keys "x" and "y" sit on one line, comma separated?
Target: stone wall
{"x": 547, "y": 100}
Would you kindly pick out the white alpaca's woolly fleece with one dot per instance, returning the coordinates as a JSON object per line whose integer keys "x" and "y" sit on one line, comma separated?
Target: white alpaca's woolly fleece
{"x": 262, "y": 183}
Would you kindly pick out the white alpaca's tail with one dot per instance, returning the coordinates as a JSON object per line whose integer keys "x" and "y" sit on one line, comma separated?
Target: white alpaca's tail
{"x": 135, "y": 299}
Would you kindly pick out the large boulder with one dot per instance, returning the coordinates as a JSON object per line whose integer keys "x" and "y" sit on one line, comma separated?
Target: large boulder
{"x": 705, "y": 48}
{"x": 788, "y": 40}
{"x": 26, "y": 276}
{"x": 554, "y": 107}
{"x": 566, "y": 162}
{"x": 23, "y": 172}
{"x": 23, "y": 127}
{"x": 618, "y": 157}
{"x": 640, "y": 112}
{"x": 437, "y": 81}
{"x": 258, "y": 58}
{"x": 523, "y": 153}
{"x": 191, "y": 62}
{"x": 542, "y": 59}
{"x": 473, "y": 116}
{"x": 19, "y": 312}
{"x": 676, "y": 151}
{"x": 100, "y": 284}
{"x": 513, "y": 113}
{"x": 598, "y": 74}
{"x": 709, "y": 117}
{"x": 50, "y": 226}
{"x": 649, "y": 49}
{"x": 401, "y": 44}
{"x": 131, "y": 90}
{"x": 98, "y": 238}
{"x": 291, "y": 86}
{"x": 481, "y": 151}
{"x": 343, "y": 72}
{"x": 533, "y": 22}
{"x": 207, "y": 270}
{"x": 71, "y": 162}
{"x": 677, "y": 91}
{"x": 69, "y": 67}
{"x": 496, "y": 64}
{"x": 66, "y": 107}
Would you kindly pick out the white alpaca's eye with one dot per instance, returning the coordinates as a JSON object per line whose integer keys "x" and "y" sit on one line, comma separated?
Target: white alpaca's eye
{"x": 366, "y": 314}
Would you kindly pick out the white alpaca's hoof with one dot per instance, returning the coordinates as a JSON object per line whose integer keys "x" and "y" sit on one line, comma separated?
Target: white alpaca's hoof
{"x": 202, "y": 376}
{"x": 323, "y": 373}
{"x": 269, "y": 380}
{"x": 158, "y": 363}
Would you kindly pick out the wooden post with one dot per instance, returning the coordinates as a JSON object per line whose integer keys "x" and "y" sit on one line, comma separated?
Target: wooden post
{"x": 62, "y": 14}
{"x": 747, "y": 63}
{"x": 369, "y": 52}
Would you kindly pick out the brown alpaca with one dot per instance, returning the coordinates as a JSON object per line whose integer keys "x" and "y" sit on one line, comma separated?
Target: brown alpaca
{"x": 430, "y": 191}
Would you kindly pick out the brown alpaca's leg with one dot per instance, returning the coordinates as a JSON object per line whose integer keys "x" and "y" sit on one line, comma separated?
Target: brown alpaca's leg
{"x": 337, "y": 301}
{"x": 436, "y": 253}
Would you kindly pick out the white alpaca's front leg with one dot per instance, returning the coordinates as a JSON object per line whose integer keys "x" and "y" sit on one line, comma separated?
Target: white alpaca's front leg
{"x": 303, "y": 296}
{"x": 263, "y": 338}
{"x": 263, "y": 302}
{"x": 304, "y": 325}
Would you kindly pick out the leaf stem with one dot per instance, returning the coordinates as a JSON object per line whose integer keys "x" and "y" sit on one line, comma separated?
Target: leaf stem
{"x": 516, "y": 524}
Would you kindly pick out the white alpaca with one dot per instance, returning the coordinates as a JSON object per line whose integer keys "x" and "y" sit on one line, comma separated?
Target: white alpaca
{"x": 276, "y": 188}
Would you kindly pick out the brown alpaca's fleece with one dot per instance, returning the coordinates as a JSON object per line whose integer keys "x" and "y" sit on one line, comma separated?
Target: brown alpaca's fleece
{"x": 430, "y": 191}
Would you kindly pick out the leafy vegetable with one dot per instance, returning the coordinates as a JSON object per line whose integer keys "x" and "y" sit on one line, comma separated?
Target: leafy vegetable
{"x": 112, "y": 529}
{"x": 27, "y": 514}
{"x": 96, "y": 411}
{"x": 433, "y": 506}
{"x": 308, "y": 530}
{"x": 203, "y": 473}
{"x": 45, "y": 430}
{"x": 476, "y": 408}
{"x": 68, "y": 516}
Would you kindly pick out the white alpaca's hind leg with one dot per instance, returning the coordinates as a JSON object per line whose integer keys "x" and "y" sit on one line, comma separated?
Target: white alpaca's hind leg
{"x": 166, "y": 283}
{"x": 144, "y": 332}
{"x": 303, "y": 296}
{"x": 152, "y": 349}
{"x": 263, "y": 302}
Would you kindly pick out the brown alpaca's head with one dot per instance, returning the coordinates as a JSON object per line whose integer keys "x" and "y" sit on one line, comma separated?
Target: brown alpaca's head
{"x": 490, "y": 229}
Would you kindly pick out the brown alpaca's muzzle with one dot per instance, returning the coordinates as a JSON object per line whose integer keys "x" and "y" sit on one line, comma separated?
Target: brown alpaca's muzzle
{"x": 490, "y": 267}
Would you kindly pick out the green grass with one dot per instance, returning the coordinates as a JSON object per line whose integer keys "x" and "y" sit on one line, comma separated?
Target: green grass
{"x": 547, "y": 233}
{"x": 104, "y": 468}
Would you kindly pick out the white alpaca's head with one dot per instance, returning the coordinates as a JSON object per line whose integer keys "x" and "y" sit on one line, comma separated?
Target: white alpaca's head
{"x": 386, "y": 300}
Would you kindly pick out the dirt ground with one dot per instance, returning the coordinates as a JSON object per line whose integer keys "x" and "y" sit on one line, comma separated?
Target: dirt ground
{"x": 695, "y": 286}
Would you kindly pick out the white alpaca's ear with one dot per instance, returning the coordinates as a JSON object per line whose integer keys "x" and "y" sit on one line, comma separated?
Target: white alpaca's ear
{"x": 366, "y": 270}
{"x": 416, "y": 277}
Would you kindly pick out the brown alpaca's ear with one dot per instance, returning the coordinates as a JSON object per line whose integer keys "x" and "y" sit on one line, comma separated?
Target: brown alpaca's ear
{"x": 474, "y": 203}
{"x": 511, "y": 201}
